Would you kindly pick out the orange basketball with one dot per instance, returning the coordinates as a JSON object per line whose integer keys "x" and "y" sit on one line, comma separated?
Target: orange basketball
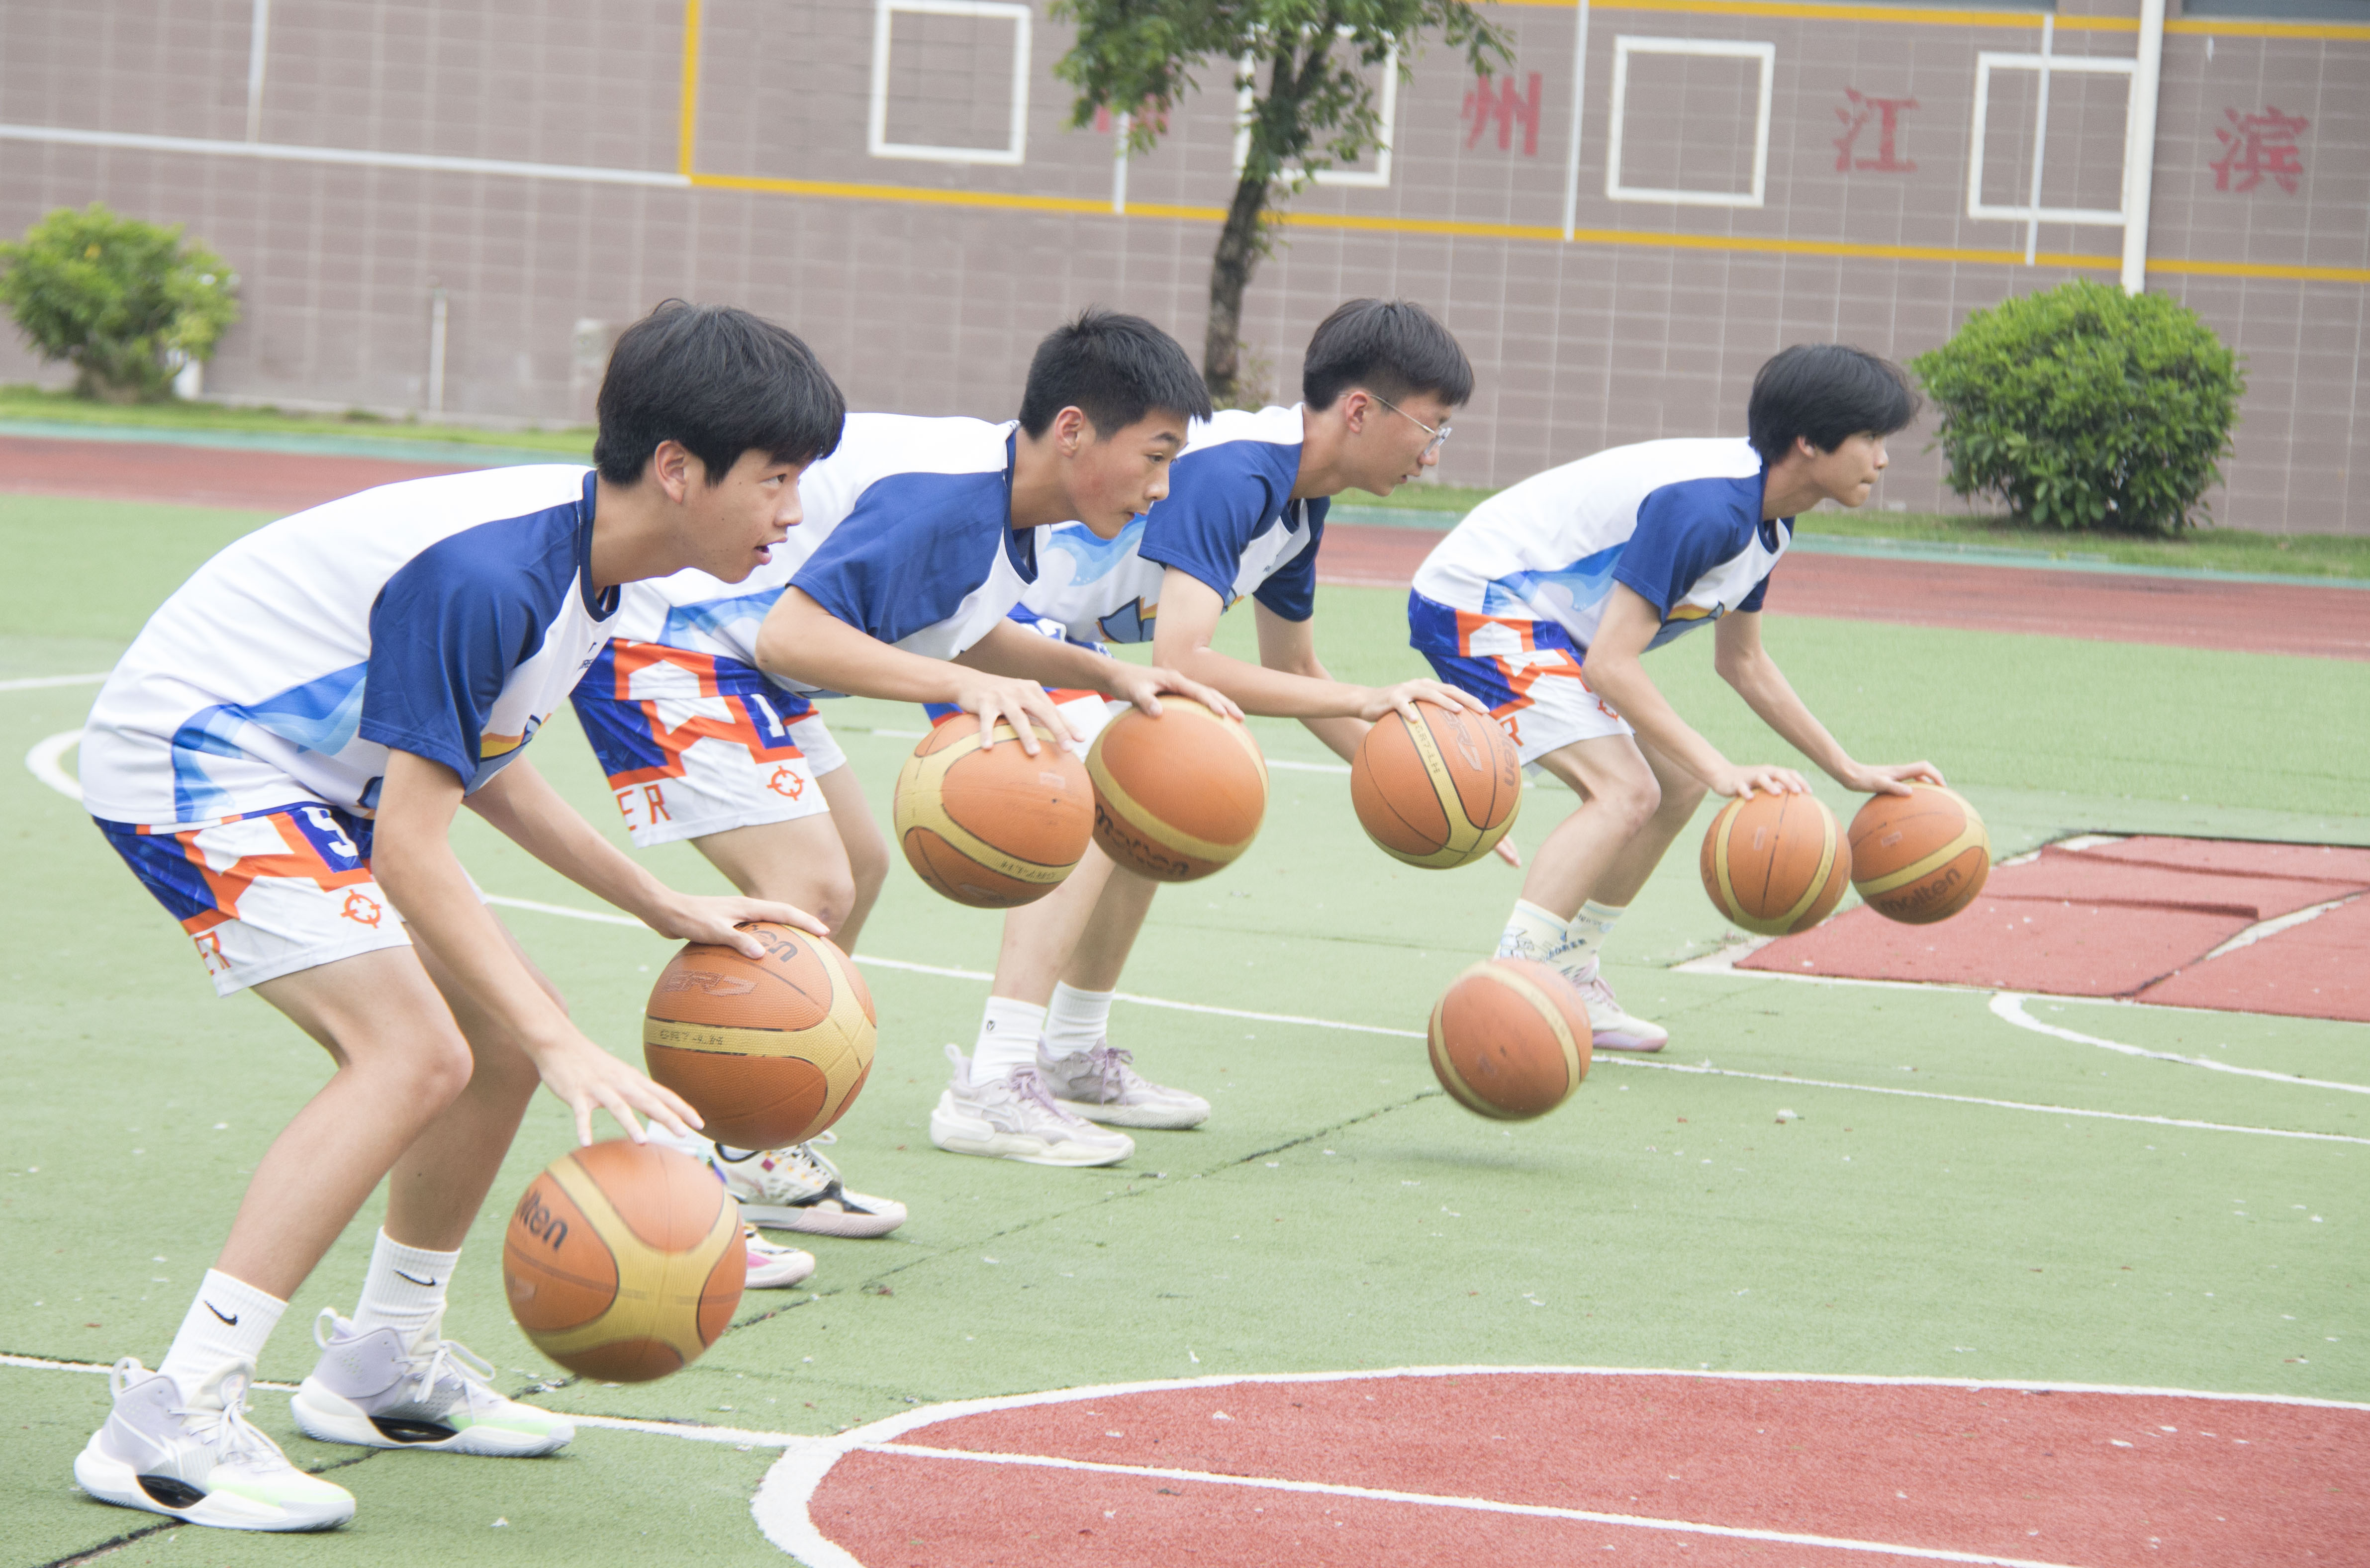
{"x": 1776, "y": 863}
{"x": 770, "y": 1051}
{"x": 1510, "y": 1039}
{"x": 993, "y": 826}
{"x": 624, "y": 1261}
{"x": 1921, "y": 857}
{"x": 1178, "y": 796}
{"x": 1439, "y": 794}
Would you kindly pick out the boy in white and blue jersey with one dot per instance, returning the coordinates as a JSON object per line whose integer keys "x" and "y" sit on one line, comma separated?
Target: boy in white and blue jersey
{"x": 1243, "y": 518}
{"x": 911, "y": 597}
{"x": 1542, "y": 600}
{"x": 278, "y": 758}
{"x": 700, "y": 743}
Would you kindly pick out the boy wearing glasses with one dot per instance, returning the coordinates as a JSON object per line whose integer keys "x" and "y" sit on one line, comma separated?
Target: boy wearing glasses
{"x": 1243, "y": 515}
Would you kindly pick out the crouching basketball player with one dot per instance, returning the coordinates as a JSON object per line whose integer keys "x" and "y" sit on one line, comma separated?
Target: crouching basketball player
{"x": 280, "y": 757}
{"x": 1542, "y": 600}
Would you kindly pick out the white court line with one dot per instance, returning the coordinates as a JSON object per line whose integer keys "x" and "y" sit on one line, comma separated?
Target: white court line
{"x": 2009, "y": 1005}
{"x": 1474, "y": 1505}
{"x": 41, "y": 682}
{"x": 67, "y": 786}
{"x": 780, "y": 1506}
{"x": 42, "y": 761}
{"x": 2262, "y": 928}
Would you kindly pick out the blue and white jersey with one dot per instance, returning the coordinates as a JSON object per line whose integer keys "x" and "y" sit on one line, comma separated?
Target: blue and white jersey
{"x": 445, "y": 617}
{"x": 1678, "y": 522}
{"x": 929, "y": 561}
{"x": 1228, "y": 521}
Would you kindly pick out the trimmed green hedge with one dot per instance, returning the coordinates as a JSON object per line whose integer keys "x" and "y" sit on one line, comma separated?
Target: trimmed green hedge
{"x": 2086, "y": 407}
{"x": 123, "y": 301}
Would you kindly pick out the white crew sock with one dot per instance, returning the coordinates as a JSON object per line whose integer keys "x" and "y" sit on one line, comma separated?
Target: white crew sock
{"x": 1577, "y": 957}
{"x": 228, "y": 1321}
{"x": 1533, "y": 932}
{"x": 1078, "y": 1021}
{"x": 1008, "y": 1034}
{"x": 405, "y": 1289}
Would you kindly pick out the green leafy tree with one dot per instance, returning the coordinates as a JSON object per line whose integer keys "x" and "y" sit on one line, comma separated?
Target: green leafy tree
{"x": 1314, "y": 108}
{"x": 2087, "y": 407}
{"x": 124, "y": 302}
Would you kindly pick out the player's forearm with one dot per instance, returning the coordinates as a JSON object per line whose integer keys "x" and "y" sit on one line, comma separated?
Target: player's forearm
{"x": 1257, "y": 690}
{"x": 411, "y": 855}
{"x": 1623, "y": 684}
{"x": 522, "y": 806}
{"x": 1772, "y": 697}
{"x": 1012, "y": 650}
{"x": 803, "y": 643}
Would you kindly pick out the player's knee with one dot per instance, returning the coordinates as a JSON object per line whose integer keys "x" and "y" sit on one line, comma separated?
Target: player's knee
{"x": 1635, "y": 801}
{"x": 438, "y": 1069}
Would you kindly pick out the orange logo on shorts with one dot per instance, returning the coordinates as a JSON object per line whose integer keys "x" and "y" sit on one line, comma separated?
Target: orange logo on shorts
{"x": 361, "y": 910}
{"x": 786, "y": 781}
{"x": 210, "y": 950}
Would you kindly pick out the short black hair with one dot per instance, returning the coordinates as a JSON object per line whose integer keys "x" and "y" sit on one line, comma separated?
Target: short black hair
{"x": 1113, "y": 369}
{"x": 721, "y": 382}
{"x": 1826, "y": 393}
{"x": 1394, "y": 349}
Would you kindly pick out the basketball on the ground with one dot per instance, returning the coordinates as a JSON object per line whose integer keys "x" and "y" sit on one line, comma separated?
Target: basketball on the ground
{"x": 1776, "y": 863}
{"x": 1510, "y": 1039}
{"x": 992, "y": 827}
{"x": 1919, "y": 857}
{"x": 770, "y": 1052}
{"x": 1439, "y": 794}
{"x": 1178, "y": 796}
{"x": 624, "y": 1261}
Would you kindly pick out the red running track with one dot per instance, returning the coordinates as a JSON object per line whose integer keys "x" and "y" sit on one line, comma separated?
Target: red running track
{"x": 2182, "y": 611}
{"x": 1676, "y": 1469}
{"x": 2327, "y": 623}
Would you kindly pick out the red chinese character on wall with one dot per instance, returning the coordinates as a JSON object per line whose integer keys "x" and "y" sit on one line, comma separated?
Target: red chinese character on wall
{"x": 1148, "y": 110}
{"x": 1886, "y": 112}
{"x": 2254, "y": 145}
{"x": 1486, "y": 103}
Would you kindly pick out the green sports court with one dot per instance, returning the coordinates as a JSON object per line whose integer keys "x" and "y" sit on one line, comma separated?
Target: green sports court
{"x": 1851, "y": 1272}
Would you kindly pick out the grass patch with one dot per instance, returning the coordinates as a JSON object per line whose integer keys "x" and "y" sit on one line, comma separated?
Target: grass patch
{"x": 2215, "y": 549}
{"x": 22, "y": 402}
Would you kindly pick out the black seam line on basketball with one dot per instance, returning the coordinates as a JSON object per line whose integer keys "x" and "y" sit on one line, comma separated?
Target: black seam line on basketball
{"x": 1171, "y": 1183}
{"x": 114, "y": 1543}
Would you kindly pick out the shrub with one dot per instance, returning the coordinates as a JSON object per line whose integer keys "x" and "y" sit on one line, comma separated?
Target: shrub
{"x": 122, "y": 300}
{"x": 2086, "y": 407}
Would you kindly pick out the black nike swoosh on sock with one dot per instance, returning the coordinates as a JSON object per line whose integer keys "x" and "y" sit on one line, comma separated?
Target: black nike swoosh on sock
{"x": 426, "y": 1283}
{"x": 230, "y": 1318}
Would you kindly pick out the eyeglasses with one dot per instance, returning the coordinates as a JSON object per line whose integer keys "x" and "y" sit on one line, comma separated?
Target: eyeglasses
{"x": 1438, "y": 436}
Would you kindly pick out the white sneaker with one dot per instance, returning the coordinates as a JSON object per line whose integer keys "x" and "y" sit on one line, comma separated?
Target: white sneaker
{"x": 375, "y": 1391}
{"x": 198, "y": 1459}
{"x": 1614, "y": 1029}
{"x": 1012, "y": 1117}
{"x": 771, "y": 1265}
{"x": 798, "y": 1188}
{"x": 1099, "y": 1085}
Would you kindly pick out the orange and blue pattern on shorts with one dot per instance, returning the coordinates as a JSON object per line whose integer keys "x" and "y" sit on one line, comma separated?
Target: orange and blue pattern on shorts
{"x": 200, "y": 882}
{"x": 631, "y": 738}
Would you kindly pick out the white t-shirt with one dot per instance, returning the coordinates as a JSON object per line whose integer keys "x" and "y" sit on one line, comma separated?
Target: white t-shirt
{"x": 1678, "y": 522}
{"x": 1228, "y": 520}
{"x": 446, "y": 617}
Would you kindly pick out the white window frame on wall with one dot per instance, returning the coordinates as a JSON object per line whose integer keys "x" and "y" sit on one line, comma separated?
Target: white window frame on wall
{"x": 1625, "y": 45}
{"x": 2046, "y": 65}
{"x": 1376, "y": 178}
{"x": 876, "y": 135}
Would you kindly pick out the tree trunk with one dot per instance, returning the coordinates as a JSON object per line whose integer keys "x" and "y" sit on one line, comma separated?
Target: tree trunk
{"x": 1230, "y": 274}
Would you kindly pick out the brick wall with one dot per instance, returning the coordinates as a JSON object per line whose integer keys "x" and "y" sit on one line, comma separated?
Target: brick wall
{"x": 925, "y": 282}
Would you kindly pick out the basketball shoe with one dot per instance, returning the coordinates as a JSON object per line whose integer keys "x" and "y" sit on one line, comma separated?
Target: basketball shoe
{"x": 1013, "y": 1117}
{"x": 773, "y": 1266}
{"x": 1098, "y": 1084}
{"x": 1615, "y": 1030}
{"x": 378, "y": 1392}
{"x": 798, "y": 1188}
{"x": 197, "y": 1459}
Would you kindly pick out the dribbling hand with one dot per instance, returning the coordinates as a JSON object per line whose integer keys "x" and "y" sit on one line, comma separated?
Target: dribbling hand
{"x": 583, "y": 1076}
{"x": 1739, "y": 784}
